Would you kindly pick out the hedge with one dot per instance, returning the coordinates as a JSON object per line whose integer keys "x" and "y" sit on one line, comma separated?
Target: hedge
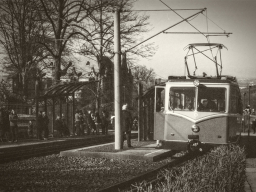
{"x": 222, "y": 169}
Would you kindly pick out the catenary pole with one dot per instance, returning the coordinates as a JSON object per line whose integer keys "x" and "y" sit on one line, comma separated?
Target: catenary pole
{"x": 117, "y": 97}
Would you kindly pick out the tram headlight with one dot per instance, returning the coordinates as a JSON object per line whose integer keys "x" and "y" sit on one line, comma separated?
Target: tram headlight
{"x": 195, "y": 128}
{"x": 196, "y": 82}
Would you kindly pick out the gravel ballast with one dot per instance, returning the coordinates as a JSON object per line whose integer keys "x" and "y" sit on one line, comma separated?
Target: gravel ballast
{"x": 56, "y": 173}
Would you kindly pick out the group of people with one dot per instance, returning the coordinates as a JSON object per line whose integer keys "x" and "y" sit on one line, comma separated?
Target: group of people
{"x": 94, "y": 123}
{"x": 91, "y": 122}
{"x": 207, "y": 105}
{"x": 8, "y": 125}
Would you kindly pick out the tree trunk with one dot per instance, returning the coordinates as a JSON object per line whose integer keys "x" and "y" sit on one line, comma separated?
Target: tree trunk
{"x": 57, "y": 69}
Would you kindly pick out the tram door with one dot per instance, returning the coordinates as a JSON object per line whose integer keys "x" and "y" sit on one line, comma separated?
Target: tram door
{"x": 159, "y": 117}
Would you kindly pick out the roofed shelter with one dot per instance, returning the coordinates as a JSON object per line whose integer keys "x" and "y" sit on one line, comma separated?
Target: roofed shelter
{"x": 59, "y": 94}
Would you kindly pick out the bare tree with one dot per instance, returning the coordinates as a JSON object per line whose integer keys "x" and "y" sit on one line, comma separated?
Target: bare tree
{"x": 62, "y": 24}
{"x": 144, "y": 75}
{"x": 99, "y": 42}
{"x": 19, "y": 31}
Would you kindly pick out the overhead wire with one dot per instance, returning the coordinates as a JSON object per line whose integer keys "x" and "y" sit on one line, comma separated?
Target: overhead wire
{"x": 182, "y": 17}
{"x": 156, "y": 10}
{"x": 207, "y": 37}
{"x": 213, "y": 21}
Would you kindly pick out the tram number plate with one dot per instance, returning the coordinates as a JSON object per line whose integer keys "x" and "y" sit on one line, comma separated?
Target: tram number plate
{"x": 193, "y": 137}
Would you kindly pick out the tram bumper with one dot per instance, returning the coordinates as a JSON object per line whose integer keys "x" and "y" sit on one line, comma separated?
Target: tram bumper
{"x": 194, "y": 145}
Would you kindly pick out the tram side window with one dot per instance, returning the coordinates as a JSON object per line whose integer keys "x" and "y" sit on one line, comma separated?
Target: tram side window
{"x": 211, "y": 99}
{"x": 182, "y": 98}
{"x": 160, "y": 95}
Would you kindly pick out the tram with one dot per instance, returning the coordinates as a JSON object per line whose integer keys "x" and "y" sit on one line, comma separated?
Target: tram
{"x": 196, "y": 112}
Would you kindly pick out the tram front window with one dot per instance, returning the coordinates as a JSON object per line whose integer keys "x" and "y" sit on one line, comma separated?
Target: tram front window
{"x": 182, "y": 98}
{"x": 211, "y": 99}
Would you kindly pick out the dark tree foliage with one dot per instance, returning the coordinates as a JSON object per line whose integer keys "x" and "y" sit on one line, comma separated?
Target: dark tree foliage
{"x": 19, "y": 33}
{"x": 144, "y": 75}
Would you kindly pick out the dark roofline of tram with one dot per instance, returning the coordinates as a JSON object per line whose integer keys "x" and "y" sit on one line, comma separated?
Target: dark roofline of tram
{"x": 222, "y": 79}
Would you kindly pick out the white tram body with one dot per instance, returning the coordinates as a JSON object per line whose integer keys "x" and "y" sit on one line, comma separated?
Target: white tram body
{"x": 182, "y": 122}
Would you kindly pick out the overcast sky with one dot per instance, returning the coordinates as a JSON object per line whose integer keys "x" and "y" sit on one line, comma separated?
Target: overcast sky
{"x": 235, "y": 16}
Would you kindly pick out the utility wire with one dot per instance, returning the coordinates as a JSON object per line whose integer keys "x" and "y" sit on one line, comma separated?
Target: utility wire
{"x": 212, "y": 22}
{"x": 185, "y": 19}
{"x": 156, "y": 10}
{"x": 182, "y": 17}
{"x": 209, "y": 33}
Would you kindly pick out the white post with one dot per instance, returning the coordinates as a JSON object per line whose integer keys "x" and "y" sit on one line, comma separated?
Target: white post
{"x": 117, "y": 61}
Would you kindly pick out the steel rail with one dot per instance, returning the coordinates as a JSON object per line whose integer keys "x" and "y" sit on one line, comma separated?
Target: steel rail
{"x": 16, "y": 153}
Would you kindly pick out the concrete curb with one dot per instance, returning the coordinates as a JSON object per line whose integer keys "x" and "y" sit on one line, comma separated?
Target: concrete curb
{"x": 145, "y": 153}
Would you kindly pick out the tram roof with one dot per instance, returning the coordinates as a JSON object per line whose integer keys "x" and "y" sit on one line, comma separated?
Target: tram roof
{"x": 206, "y": 44}
{"x": 221, "y": 79}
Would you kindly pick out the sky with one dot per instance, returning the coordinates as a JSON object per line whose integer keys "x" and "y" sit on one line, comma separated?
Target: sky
{"x": 235, "y": 16}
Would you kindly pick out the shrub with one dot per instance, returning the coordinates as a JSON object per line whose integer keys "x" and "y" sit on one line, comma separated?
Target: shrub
{"x": 223, "y": 169}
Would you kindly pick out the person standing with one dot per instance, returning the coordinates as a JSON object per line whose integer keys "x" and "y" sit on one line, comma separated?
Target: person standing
{"x": 40, "y": 125}
{"x": 30, "y": 129}
{"x": 45, "y": 120}
{"x": 89, "y": 123}
{"x": 97, "y": 122}
{"x": 77, "y": 123}
{"x": 81, "y": 127}
{"x": 13, "y": 125}
{"x": 58, "y": 126}
{"x": 104, "y": 122}
{"x": 126, "y": 125}
{"x": 93, "y": 126}
{"x": 64, "y": 126}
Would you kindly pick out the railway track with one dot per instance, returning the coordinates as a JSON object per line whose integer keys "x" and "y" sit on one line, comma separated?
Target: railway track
{"x": 148, "y": 178}
{"x": 21, "y": 152}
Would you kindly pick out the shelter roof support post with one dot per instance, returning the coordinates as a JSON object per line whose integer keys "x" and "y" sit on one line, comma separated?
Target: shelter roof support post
{"x": 67, "y": 111}
{"x": 149, "y": 119}
{"x": 53, "y": 115}
{"x": 139, "y": 110}
{"x": 45, "y": 105}
{"x": 73, "y": 113}
{"x": 117, "y": 59}
{"x": 152, "y": 118}
{"x": 60, "y": 107}
{"x": 144, "y": 119}
{"x": 37, "y": 105}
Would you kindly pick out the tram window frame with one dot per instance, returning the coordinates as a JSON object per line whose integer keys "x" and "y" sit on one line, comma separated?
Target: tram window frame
{"x": 217, "y": 101}
{"x": 179, "y": 100}
{"x": 160, "y": 99}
